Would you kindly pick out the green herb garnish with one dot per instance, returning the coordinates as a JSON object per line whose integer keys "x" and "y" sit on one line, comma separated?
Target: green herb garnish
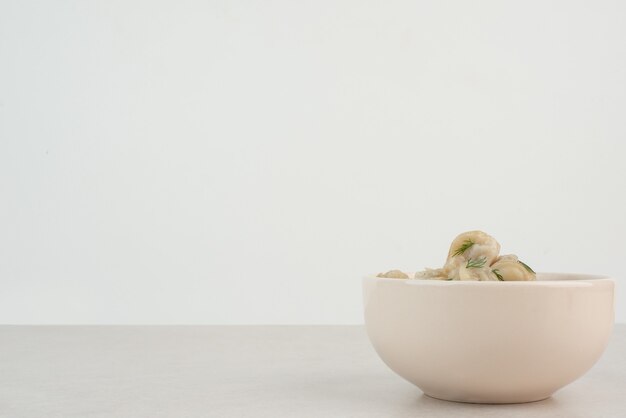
{"x": 466, "y": 244}
{"x": 526, "y": 266}
{"x": 498, "y": 275}
{"x": 476, "y": 263}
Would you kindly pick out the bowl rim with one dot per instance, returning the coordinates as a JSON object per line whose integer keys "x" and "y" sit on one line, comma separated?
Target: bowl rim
{"x": 580, "y": 280}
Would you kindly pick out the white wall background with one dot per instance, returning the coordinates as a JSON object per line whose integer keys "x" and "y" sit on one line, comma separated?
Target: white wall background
{"x": 248, "y": 161}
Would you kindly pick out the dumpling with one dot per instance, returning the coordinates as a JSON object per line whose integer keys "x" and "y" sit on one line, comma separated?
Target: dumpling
{"x": 394, "y": 274}
{"x": 470, "y": 255}
{"x": 509, "y": 268}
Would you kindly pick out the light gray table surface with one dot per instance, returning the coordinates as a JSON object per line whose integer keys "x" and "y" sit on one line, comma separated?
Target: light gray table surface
{"x": 247, "y": 371}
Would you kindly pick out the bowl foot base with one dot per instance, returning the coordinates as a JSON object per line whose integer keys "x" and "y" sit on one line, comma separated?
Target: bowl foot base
{"x": 486, "y": 400}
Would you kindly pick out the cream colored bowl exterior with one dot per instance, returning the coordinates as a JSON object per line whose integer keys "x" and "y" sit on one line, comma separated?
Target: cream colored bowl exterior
{"x": 490, "y": 342}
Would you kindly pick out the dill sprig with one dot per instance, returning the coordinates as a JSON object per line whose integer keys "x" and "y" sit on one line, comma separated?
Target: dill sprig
{"x": 476, "y": 263}
{"x": 498, "y": 275}
{"x": 466, "y": 244}
{"x": 526, "y": 267}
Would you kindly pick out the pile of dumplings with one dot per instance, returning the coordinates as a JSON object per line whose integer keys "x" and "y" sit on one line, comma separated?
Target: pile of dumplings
{"x": 474, "y": 255}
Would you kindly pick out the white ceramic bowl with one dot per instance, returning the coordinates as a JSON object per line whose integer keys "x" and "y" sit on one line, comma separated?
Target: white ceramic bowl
{"x": 490, "y": 342}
